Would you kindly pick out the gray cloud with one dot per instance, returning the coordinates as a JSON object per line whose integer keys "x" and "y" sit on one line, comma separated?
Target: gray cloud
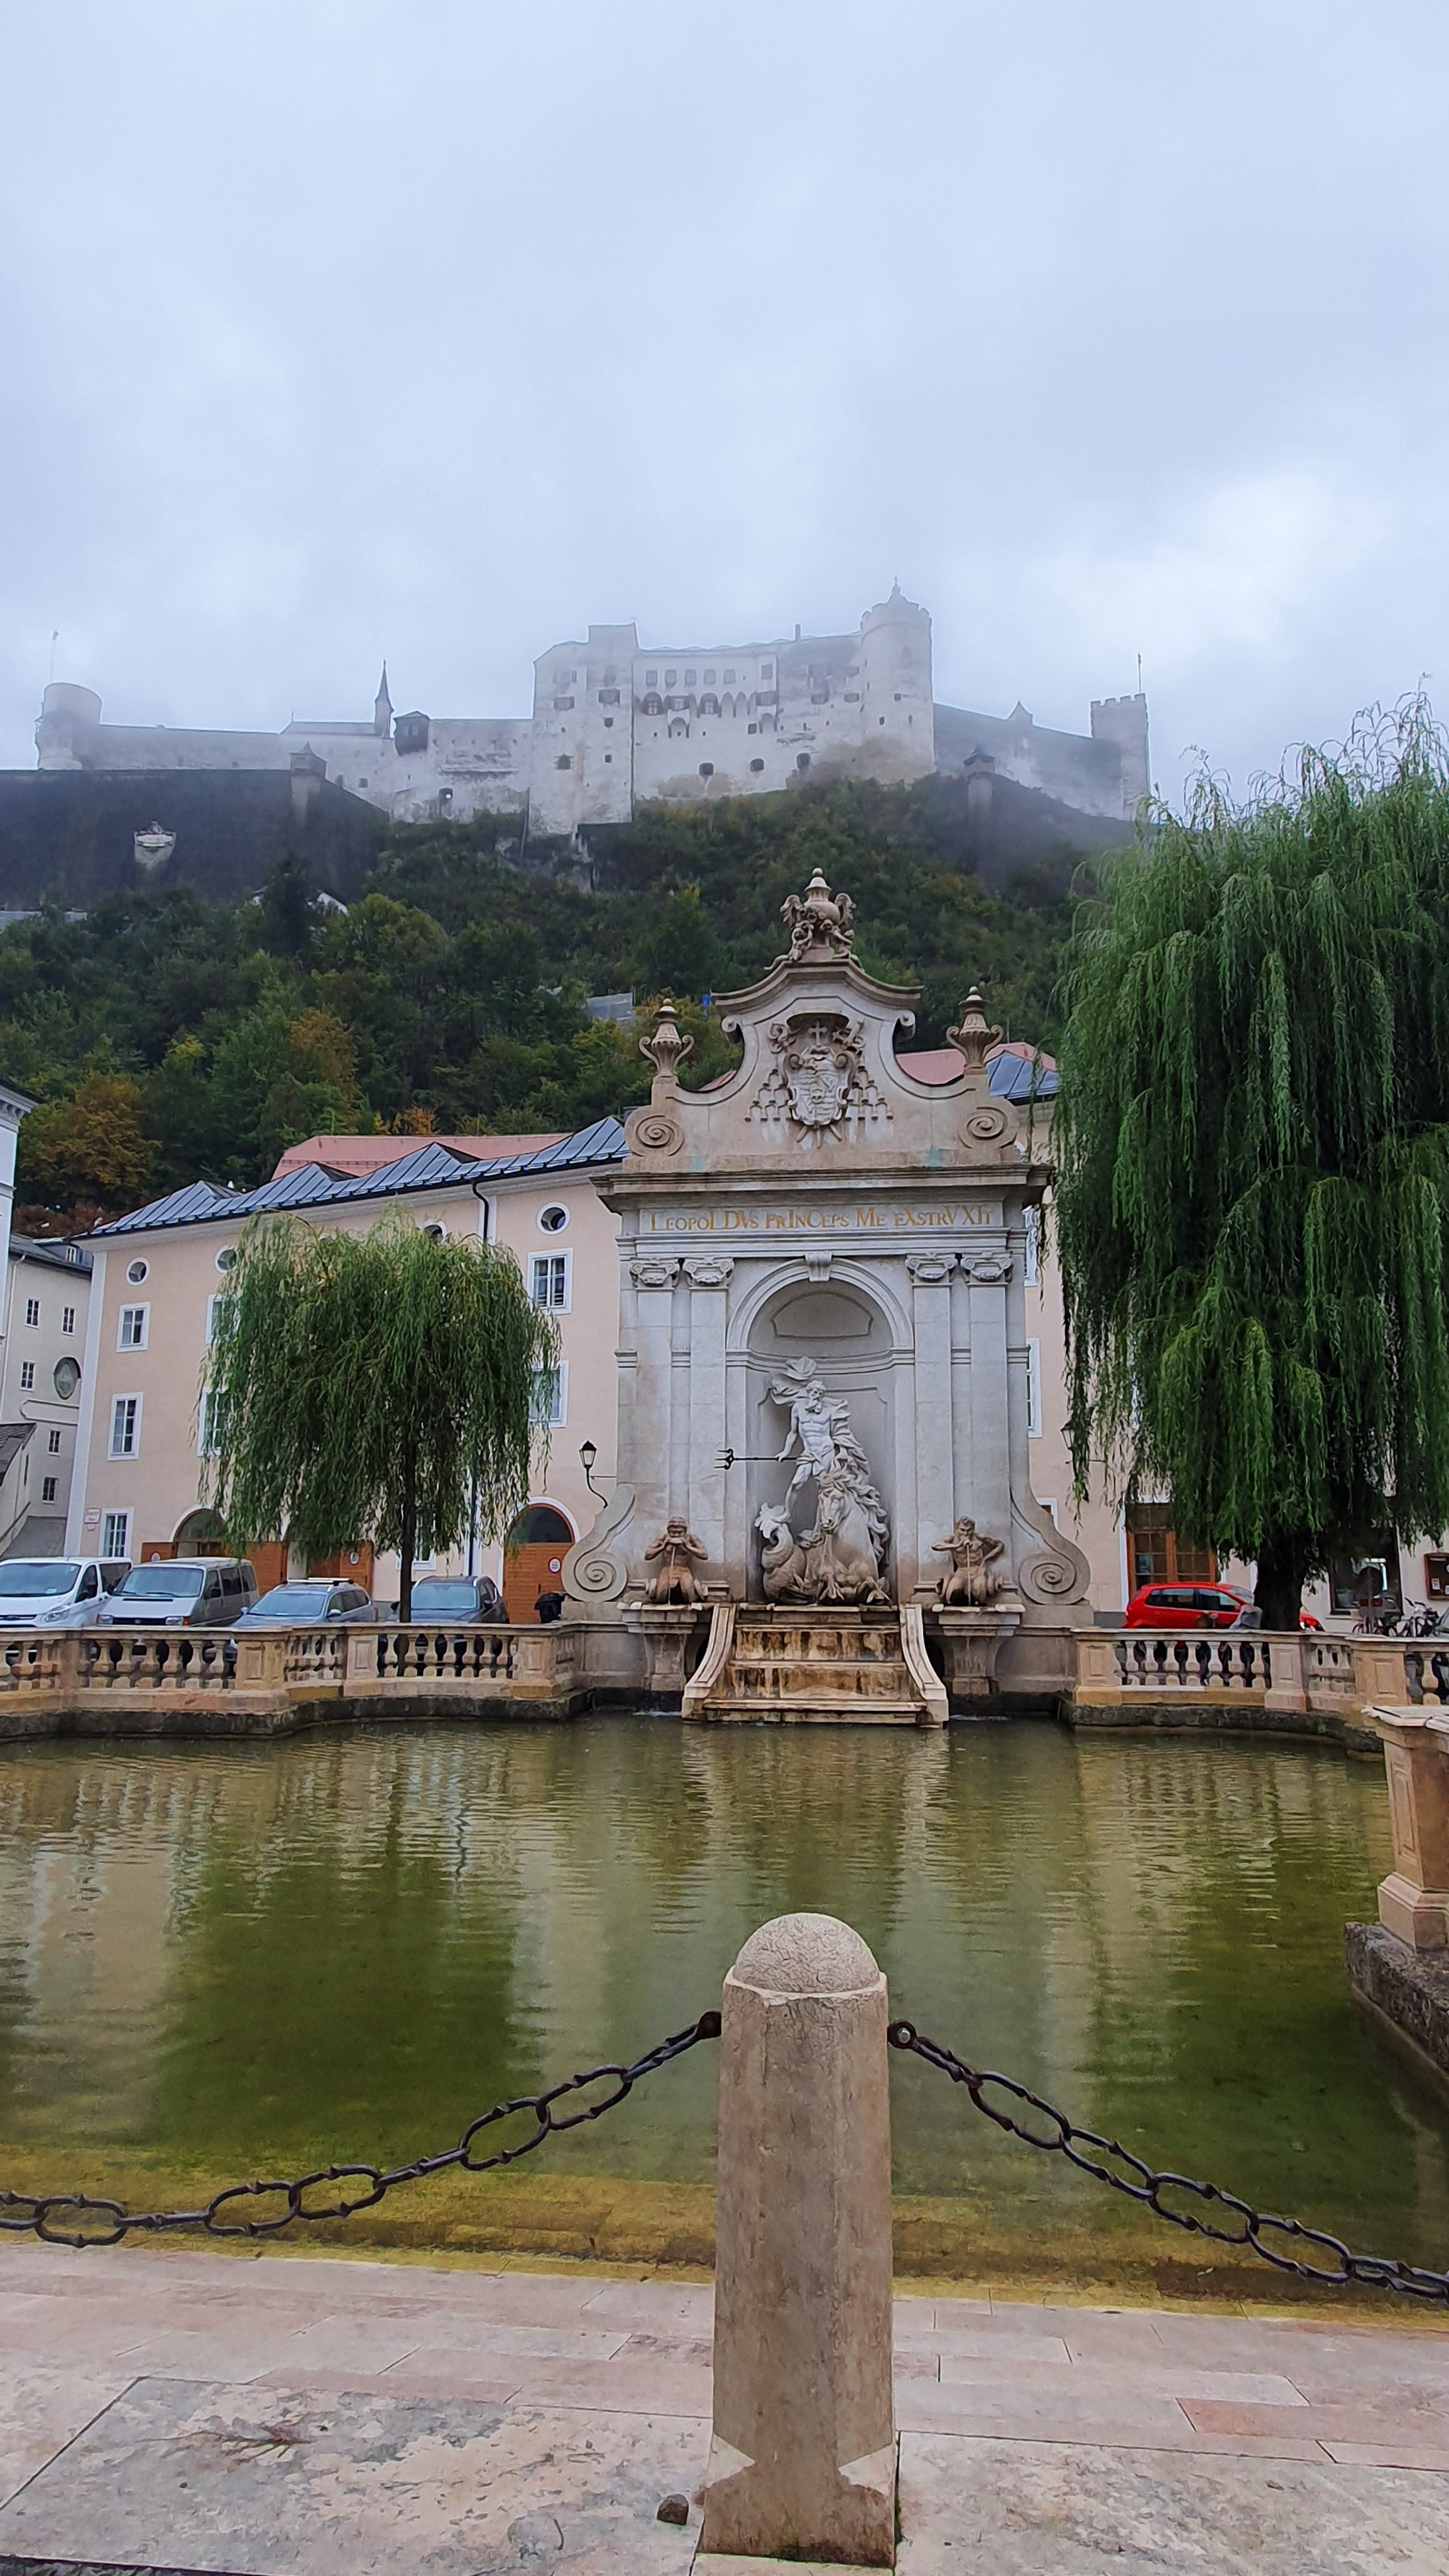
{"x": 334, "y": 329}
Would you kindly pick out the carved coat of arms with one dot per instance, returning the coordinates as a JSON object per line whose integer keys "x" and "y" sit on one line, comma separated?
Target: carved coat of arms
{"x": 818, "y": 1062}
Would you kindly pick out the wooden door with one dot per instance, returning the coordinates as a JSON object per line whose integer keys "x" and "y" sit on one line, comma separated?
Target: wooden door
{"x": 533, "y": 1555}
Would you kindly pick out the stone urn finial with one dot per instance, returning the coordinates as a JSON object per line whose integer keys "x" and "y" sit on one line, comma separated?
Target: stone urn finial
{"x": 821, "y": 925}
{"x": 666, "y": 1046}
{"x": 975, "y": 1034}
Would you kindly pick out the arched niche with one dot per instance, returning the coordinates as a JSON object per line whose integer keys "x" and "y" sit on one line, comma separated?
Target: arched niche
{"x": 847, "y": 1333}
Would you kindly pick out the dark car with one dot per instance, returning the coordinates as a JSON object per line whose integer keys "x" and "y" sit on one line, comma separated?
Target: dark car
{"x": 462, "y": 1600}
{"x": 1192, "y": 1605}
{"x": 311, "y": 1602}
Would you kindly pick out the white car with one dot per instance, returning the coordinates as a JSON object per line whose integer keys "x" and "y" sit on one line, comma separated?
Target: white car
{"x": 57, "y": 1591}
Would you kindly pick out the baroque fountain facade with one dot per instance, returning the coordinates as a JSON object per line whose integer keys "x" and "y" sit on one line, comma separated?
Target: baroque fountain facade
{"x": 824, "y": 1506}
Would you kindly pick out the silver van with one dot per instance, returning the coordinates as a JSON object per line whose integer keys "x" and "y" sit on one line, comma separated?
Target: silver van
{"x": 182, "y": 1592}
{"x": 57, "y": 1591}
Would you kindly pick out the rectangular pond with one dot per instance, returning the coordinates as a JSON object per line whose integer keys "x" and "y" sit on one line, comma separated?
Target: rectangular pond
{"x": 224, "y": 1960}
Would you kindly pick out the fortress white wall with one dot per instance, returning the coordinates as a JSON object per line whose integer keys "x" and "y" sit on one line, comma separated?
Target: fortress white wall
{"x": 613, "y": 725}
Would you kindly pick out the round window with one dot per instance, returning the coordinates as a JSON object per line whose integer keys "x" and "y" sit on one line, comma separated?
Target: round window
{"x": 552, "y": 1220}
{"x": 439, "y": 1233}
{"x": 138, "y": 1271}
{"x": 226, "y": 1258}
{"x": 66, "y": 1376}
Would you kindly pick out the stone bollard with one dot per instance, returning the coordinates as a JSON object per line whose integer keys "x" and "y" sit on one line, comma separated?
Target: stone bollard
{"x": 1414, "y": 1898}
{"x": 803, "y": 2461}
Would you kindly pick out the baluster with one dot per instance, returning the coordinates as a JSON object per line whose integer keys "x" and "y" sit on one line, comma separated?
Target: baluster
{"x": 1439, "y": 1668}
{"x": 1414, "y": 1678}
{"x": 1203, "y": 1652}
{"x": 1179, "y": 1657}
{"x": 1159, "y": 1661}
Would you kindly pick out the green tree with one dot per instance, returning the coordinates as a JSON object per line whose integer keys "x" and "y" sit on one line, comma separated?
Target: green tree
{"x": 384, "y": 1384}
{"x": 1253, "y": 1153}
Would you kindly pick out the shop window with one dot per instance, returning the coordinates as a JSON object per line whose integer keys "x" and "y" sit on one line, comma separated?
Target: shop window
{"x": 1367, "y": 1579}
{"x": 1155, "y": 1554}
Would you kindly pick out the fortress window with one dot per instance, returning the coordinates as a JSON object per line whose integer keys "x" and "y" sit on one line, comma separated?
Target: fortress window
{"x": 852, "y": 697}
{"x": 898, "y": 697}
{"x": 756, "y": 765}
{"x": 729, "y": 675}
{"x": 362, "y": 782}
{"x": 608, "y": 697}
{"x": 653, "y": 705}
{"x": 709, "y": 703}
{"x": 608, "y": 724}
{"x": 651, "y": 679}
{"x": 767, "y": 670}
{"x": 564, "y": 679}
{"x": 689, "y": 678}
{"x": 802, "y": 761}
{"x": 562, "y": 705}
{"x": 754, "y": 728}
{"x": 706, "y": 769}
{"x": 445, "y": 800}
{"x": 563, "y": 761}
{"x": 709, "y": 679}
{"x": 608, "y": 760}
{"x": 820, "y": 697}
{"x": 669, "y": 678}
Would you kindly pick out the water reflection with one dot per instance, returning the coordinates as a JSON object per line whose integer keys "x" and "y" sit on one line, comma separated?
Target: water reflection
{"x": 227, "y": 1955}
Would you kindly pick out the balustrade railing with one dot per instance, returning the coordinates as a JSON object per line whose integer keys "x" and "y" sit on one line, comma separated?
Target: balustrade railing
{"x": 433, "y": 1654}
{"x": 150, "y": 1659}
{"x": 348, "y": 1661}
{"x": 1158, "y": 1659}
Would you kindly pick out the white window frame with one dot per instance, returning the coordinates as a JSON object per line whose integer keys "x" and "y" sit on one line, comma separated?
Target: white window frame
{"x": 52, "y": 1446}
{"x": 67, "y": 1319}
{"x": 27, "y": 1376}
{"x": 122, "y": 1344}
{"x": 205, "y": 1428}
{"x": 32, "y": 1311}
{"x": 212, "y": 1303}
{"x": 557, "y": 1419}
{"x": 134, "y": 1450}
{"x": 1033, "y": 1390}
{"x": 112, "y": 1544}
{"x": 47, "y": 1489}
{"x": 553, "y": 1305}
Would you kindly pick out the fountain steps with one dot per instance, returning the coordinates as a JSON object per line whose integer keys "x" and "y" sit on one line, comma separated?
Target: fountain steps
{"x": 805, "y": 1666}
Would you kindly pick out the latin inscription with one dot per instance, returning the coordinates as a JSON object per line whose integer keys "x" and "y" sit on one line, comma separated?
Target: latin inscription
{"x": 936, "y": 1218}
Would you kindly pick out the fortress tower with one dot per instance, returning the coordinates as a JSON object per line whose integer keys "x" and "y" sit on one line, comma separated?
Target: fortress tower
{"x": 898, "y": 715}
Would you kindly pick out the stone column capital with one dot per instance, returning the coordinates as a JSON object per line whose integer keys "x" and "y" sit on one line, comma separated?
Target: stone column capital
{"x": 987, "y": 1269}
{"x": 930, "y": 1269}
{"x": 709, "y": 1270}
{"x": 654, "y": 1272}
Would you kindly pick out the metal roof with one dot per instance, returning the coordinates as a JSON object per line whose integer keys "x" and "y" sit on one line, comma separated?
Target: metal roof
{"x": 427, "y": 1166}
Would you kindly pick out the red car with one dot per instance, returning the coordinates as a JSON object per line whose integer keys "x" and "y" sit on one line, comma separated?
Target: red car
{"x": 1192, "y": 1605}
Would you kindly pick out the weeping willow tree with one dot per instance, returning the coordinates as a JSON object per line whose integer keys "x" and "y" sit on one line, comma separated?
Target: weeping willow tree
{"x": 383, "y": 1385}
{"x": 1253, "y": 1153}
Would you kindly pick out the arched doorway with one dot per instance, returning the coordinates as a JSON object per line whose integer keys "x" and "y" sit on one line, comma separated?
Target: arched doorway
{"x": 533, "y": 1555}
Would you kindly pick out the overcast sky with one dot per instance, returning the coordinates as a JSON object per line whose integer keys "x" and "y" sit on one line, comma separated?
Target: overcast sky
{"x": 334, "y": 330}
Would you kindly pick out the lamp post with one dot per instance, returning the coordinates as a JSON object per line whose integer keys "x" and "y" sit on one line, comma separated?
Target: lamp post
{"x": 588, "y": 1452}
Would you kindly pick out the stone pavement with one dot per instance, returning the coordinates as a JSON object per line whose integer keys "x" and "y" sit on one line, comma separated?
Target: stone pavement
{"x": 174, "y": 2409}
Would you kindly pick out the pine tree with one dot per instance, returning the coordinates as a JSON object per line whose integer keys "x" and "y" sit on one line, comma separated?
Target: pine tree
{"x": 1253, "y": 1147}
{"x": 385, "y": 1385}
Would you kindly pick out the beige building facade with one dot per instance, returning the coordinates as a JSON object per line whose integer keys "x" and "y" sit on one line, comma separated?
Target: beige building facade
{"x": 158, "y": 1275}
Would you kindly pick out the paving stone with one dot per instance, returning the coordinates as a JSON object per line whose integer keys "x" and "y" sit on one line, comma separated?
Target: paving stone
{"x": 41, "y": 2410}
{"x": 1028, "y": 2509}
{"x": 276, "y": 2484}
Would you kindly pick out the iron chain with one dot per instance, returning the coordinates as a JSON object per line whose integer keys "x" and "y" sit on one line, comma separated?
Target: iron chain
{"x": 27, "y": 2214}
{"x": 1141, "y": 2182}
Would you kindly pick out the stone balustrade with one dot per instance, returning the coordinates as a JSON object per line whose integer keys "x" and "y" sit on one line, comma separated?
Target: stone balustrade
{"x": 102, "y": 1680}
{"x": 1317, "y": 1673}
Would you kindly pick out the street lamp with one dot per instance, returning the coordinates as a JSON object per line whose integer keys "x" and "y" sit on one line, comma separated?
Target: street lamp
{"x": 588, "y": 1452}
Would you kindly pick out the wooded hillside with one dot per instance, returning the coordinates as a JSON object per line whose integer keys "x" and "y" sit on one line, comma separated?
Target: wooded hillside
{"x": 168, "y": 1038}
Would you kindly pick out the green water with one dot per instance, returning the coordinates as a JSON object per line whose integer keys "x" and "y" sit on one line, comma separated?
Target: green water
{"x": 226, "y": 1956}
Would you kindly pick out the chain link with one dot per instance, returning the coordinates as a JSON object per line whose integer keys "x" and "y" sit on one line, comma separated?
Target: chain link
{"x": 1064, "y": 2137}
{"x": 32, "y": 2214}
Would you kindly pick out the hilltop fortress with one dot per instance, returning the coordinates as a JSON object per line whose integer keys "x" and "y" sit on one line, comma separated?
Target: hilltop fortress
{"x": 614, "y": 725}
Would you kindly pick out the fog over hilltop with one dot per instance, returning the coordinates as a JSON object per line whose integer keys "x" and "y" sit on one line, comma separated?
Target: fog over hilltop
{"x": 338, "y": 330}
